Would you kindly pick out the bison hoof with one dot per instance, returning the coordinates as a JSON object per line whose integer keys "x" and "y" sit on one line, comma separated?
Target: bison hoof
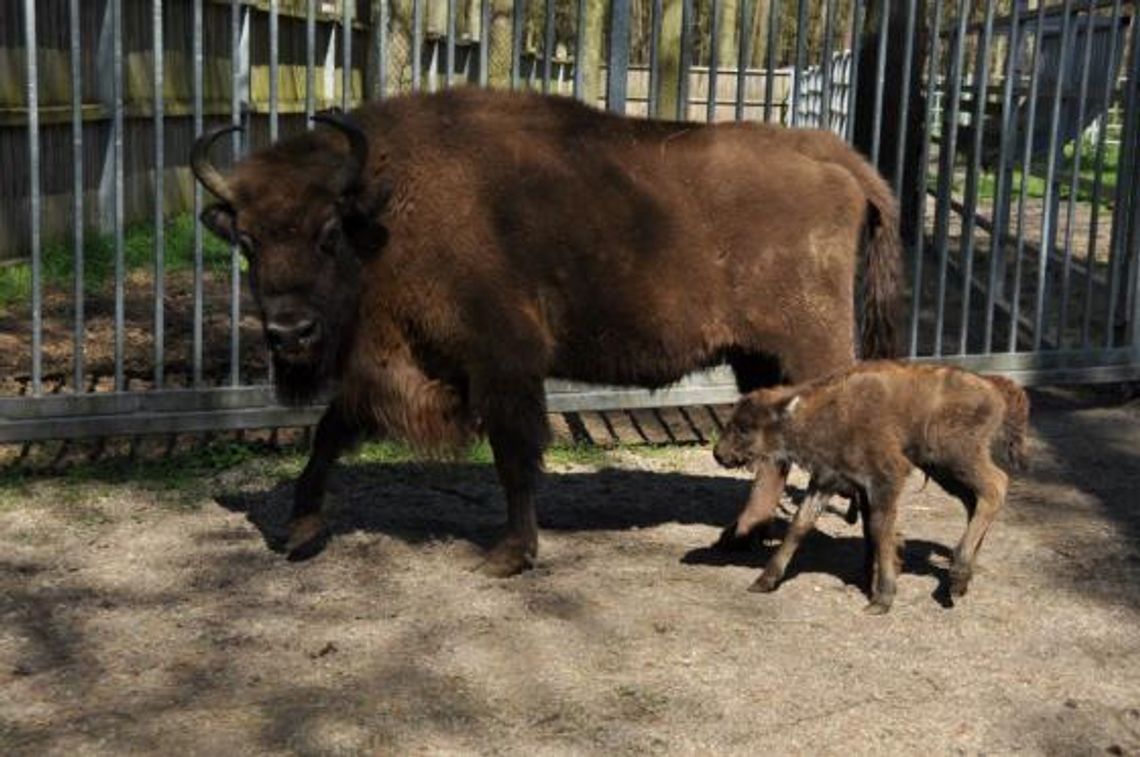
{"x": 959, "y": 580}
{"x": 765, "y": 583}
{"x": 731, "y": 541}
{"x": 308, "y": 536}
{"x": 508, "y": 558}
{"x": 878, "y": 607}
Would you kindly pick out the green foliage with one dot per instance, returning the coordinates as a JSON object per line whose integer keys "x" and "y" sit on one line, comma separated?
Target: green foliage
{"x": 57, "y": 261}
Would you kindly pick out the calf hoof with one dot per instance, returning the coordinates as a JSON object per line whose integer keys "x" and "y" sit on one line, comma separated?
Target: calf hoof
{"x": 308, "y": 536}
{"x": 765, "y": 584}
{"x": 878, "y": 607}
{"x": 508, "y": 558}
{"x": 959, "y": 580}
{"x": 731, "y": 541}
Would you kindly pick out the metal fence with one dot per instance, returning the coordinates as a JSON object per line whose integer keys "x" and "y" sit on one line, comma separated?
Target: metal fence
{"x": 1010, "y": 136}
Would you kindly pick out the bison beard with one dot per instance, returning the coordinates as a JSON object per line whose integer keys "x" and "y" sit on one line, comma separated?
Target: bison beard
{"x": 503, "y": 239}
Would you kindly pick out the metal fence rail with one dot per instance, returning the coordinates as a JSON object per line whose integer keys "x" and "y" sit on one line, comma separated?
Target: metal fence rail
{"x": 1021, "y": 212}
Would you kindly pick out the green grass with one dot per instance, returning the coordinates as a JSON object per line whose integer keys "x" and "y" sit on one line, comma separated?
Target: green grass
{"x": 187, "y": 471}
{"x": 1035, "y": 181}
{"x": 57, "y": 261}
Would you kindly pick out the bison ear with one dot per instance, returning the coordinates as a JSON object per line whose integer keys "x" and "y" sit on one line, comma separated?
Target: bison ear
{"x": 365, "y": 235}
{"x": 221, "y": 220}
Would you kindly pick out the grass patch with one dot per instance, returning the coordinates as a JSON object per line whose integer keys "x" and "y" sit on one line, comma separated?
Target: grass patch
{"x": 1035, "y": 181}
{"x": 57, "y": 261}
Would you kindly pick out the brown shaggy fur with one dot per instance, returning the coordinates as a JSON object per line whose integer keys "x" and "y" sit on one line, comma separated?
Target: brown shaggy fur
{"x": 500, "y": 239}
{"x": 860, "y": 432}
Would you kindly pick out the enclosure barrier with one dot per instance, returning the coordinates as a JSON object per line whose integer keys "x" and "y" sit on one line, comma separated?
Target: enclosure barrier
{"x": 1009, "y": 130}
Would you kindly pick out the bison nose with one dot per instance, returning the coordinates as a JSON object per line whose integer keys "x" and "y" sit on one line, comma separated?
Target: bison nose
{"x": 285, "y": 333}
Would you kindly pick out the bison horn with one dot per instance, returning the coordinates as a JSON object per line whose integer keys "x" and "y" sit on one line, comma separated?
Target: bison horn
{"x": 211, "y": 178}
{"x": 349, "y": 179}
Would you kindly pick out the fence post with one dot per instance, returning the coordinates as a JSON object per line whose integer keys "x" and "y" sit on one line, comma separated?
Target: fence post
{"x": 618, "y": 67}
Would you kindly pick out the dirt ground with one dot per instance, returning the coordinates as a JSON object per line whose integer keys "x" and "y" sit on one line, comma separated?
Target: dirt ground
{"x": 143, "y": 618}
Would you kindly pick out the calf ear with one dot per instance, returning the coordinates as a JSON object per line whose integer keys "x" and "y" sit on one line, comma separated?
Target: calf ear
{"x": 786, "y": 407}
{"x": 221, "y": 220}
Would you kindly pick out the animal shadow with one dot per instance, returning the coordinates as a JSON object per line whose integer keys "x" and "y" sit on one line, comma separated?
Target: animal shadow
{"x": 839, "y": 556}
{"x": 423, "y": 502}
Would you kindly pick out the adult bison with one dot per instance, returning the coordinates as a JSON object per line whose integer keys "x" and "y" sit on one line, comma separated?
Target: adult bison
{"x": 433, "y": 258}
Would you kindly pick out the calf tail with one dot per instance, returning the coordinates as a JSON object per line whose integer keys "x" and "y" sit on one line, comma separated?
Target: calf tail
{"x": 1010, "y": 445}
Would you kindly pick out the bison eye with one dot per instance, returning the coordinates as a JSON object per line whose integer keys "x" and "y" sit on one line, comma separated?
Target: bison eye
{"x": 247, "y": 244}
{"x": 330, "y": 238}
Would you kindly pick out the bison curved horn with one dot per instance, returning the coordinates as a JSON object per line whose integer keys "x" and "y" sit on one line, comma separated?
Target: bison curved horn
{"x": 211, "y": 178}
{"x": 349, "y": 179}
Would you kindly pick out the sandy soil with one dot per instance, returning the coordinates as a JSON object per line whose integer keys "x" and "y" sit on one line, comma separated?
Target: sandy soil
{"x": 143, "y": 618}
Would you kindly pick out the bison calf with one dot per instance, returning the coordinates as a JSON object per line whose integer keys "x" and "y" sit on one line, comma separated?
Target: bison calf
{"x": 859, "y": 433}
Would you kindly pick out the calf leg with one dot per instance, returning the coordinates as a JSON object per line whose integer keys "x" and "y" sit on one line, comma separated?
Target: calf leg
{"x": 988, "y": 484}
{"x": 802, "y": 523}
{"x": 307, "y": 530}
{"x": 883, "y": 513}
{"x": 760, "y": 508}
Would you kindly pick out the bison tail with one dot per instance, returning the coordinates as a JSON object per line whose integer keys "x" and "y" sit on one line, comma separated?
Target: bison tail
{"x": 1010, "y": 445}
{"x": 882, "y": 288}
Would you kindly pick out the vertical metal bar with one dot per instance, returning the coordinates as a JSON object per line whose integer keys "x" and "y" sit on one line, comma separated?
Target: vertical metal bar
{"x": 31, "y": 48}
{"x": 1048, "y": 221}
{"x": 448, "y": 78}
{"x": 382, "y": 47}
{"x": 617, "y": 80}
{"x": 923, "y": 167}
{"x": 547, "y": 46}
{"x": 418, "y": 42}
{"x": 686, "y": 62}
{"x": 981, "y": 80}
{"x": 157, "y": 52}
{"x": 825, "y": 68}
{"x": 310, "y": 62}
{"x": 1066, "y": 272}
{"x": 485, "y": 44}
{"x": 117, "y": 160}
{"x": 904, "y": 105}
{"x": 770, "y": 73}
{"x": 346, "y": 64}
{"x": 196, "y": 43}
{"x": 714, "y": 59}
{"x": 274, "y": 55}
{"x": 1026, "y": 166}
{"x": 77, "y": 188}
{"x": 235, "y": 259}
{"x": 1129, "y": 197}
{"x": 518, "y": 21}
{"x": 946, "y": 170}
{"x": 1121, "y": 215}
{"x": 579, "y": 51}
{"x": 801, "y": 59}
{"x": 856, "y": 51}
{"x": 1002, "y": 185}
{"x": 1098, "y": 179}
{"x": 744, "y": 50}
{"x": 653, "y": 105}
{"x": 880, "y": 81}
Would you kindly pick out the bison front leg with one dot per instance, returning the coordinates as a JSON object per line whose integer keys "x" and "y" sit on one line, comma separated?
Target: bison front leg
{"x": 760, "y": 509}
{"x": 802, "y": 524}
{"x": 307, "y": 530}
{"x": 515, "y": 421}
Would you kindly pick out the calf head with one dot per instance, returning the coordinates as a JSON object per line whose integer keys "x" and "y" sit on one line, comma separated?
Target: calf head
{"x": 306, "y": 224}
{"x": 755, "y": 430}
